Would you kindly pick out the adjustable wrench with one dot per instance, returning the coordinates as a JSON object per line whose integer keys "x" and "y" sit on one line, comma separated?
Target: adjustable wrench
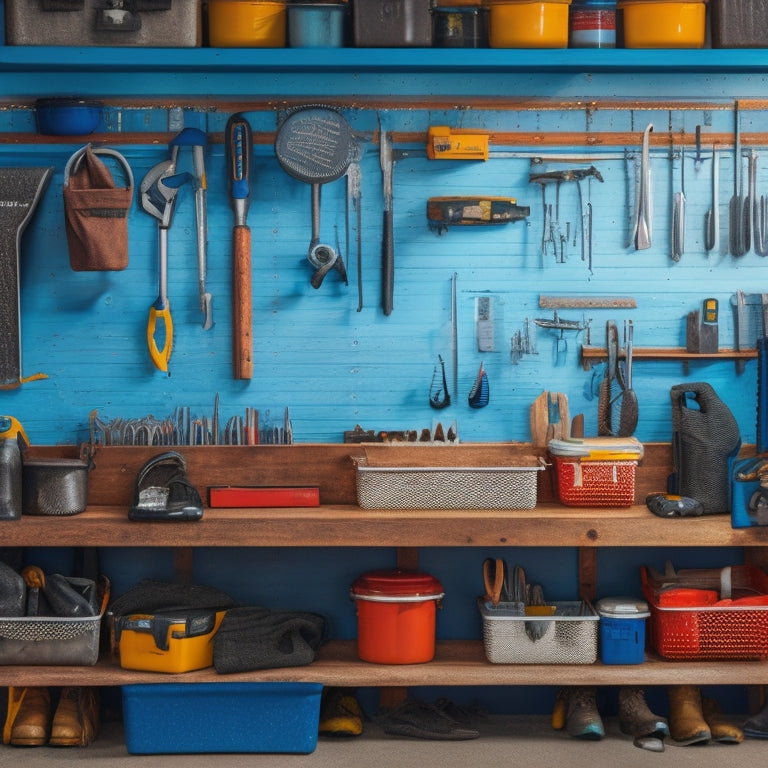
{"x": 158, "y": 198}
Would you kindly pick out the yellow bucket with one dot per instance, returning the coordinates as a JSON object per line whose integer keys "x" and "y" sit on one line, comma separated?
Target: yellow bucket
{"x": 246, "y": 24}
{"x": 527, "y": 24}
{"x": 662, "y": 24}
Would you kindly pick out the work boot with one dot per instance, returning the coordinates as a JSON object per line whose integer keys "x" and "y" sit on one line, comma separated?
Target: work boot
{"x": 686, "y": 719}
{"x": 28, "y": 722}
{"x": 76, "y": 721}
{"x": 582, "y": 719}
{"x": 635, "y": 718}
{"x": 721, "y": 727}
{"x": 756, "y": 726}
{"x": 340, "y": 713}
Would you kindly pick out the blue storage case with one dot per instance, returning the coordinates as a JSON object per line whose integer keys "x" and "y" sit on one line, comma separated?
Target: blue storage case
{"x": 746, "y": 507}
{"x": 171, "y": 718}
{"x": 622, "y": 630}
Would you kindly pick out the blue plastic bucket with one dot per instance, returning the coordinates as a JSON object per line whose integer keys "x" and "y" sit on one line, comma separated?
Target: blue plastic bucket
{"x": 316, "y": 25}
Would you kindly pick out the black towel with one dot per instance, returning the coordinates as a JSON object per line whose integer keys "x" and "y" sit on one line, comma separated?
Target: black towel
{"x": 253, "y": 637}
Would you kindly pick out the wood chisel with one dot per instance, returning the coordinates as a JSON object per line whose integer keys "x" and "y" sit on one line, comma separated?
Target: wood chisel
{"x": 473, "y": 211}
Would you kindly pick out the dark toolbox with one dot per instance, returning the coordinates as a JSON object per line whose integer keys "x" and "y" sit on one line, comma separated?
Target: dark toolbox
{"x": 166, "y": 23}
{"x": 171, "y": 641}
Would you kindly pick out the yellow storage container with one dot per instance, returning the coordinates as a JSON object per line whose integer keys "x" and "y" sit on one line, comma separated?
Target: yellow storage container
{"x": 527, "y": 24}
{"x": 247, "y": 23}
{"x": 167, "y": 642}
{"x": 662, "y": 24}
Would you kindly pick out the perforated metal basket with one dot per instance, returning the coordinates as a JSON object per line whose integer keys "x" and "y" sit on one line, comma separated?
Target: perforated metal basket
{"x": 53, "y": 640}
{"x": 50, "y": 640}
{"x": 567, "y": 637}
{"x": 446, "y": 487}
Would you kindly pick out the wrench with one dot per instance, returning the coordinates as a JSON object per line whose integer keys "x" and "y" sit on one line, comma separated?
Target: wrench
{"x": 158, "y": 198}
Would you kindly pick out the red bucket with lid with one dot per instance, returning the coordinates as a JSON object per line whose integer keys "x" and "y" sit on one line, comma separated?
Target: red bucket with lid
{"x": 396, "y": 612}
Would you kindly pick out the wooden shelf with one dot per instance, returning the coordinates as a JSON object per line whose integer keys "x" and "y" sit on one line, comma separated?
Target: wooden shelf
{"x": 350, "y": 526}
{"x": 456, "y": 662}
{"x": 341, "y": 523}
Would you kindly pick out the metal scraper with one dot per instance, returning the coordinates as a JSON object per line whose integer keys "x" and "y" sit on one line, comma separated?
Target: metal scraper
{"x": 749, "y": 322}
{"x": 20, "y": 192}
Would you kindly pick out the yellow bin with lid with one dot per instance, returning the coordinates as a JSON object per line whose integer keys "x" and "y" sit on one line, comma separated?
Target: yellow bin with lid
{"x": 247, "y": 23}
{"x": 663, "y": 24}
{"x": 528, "y": 24}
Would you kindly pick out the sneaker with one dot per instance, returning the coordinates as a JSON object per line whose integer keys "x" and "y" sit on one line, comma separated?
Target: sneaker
{"x": 340, "y": 714}
{"x": 423, "y": 721}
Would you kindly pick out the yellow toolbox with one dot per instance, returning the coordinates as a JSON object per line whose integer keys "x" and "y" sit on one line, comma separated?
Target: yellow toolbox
{"x": 174, "y": 641}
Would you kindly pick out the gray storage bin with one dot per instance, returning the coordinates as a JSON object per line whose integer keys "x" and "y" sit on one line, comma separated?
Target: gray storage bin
{"x": 739, "y": 23}
{"x": 166, "y": 23}
{"x": 392, "y": 23}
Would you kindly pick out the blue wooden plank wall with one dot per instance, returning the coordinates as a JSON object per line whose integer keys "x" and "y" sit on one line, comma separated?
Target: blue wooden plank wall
{"x": 335, "y": 367}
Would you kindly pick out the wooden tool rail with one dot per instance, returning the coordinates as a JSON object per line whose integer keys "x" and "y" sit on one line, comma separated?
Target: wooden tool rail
{"x": 532, "y": 142}
{"x": 591, "y": 355}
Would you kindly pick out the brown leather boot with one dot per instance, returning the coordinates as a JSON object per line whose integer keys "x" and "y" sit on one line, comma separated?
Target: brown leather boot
{"x": 722, "y": 728}
{"x": 582, "y": 718}
{"x": 76, "y": 721}
{"x": 28, "y": 722}
{"x": 686, "y": 718}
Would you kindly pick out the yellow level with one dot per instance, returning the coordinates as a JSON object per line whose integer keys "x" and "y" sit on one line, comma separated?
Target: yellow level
{"x": 445, "y": 144}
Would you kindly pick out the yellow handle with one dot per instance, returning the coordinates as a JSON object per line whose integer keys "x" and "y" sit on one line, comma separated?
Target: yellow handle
{"x": 160, "y": 357}
{"x": 14, "y": 429}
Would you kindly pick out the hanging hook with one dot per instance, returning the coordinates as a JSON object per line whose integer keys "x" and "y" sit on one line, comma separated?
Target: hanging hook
{"x": 439, "y": 398}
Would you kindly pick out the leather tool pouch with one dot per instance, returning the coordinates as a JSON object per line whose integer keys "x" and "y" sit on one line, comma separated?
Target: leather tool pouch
{"x": 96, "y": 212}
{"x": 705, "y": 435}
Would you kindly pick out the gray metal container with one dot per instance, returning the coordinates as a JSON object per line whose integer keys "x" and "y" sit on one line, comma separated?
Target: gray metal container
{"x": 166, "y": 23}
{"x": 392, "y": 23}
{"x": 10, "y": 479}
{"x": 54, "y": 486}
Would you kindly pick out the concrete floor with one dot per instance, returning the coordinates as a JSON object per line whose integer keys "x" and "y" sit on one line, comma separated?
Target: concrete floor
{"x": 504, "y": 741}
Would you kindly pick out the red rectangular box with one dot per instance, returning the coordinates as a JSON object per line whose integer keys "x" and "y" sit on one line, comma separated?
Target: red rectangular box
{"x": 263, "y": 496}
{"x": 584, "y": 483}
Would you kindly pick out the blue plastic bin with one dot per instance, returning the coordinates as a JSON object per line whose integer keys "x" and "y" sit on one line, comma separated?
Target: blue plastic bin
{"x": 172, "y": 718}
{"x": 622, "y": 630}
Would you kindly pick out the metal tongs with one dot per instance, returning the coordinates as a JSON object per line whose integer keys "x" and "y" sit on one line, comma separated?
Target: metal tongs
{"x": 198, "y": 140}
{"x": 643, "y": 224}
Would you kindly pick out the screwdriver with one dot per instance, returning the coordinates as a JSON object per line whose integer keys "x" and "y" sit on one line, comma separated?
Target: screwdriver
{"x": 239, "y": 140}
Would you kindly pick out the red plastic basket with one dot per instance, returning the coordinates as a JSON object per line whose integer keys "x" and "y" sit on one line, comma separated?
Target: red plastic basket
{"x": 582, "y": 482}
{"x": 724, "y": 632}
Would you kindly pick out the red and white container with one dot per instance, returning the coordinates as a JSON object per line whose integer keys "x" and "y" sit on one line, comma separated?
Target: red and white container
{"x": 396, "y": 616}
{"x": 593, "y": 24}
{"x": 596, "y": 471}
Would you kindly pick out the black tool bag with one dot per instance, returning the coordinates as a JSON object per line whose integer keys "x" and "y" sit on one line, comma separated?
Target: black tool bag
{"x": 705, "y": 435}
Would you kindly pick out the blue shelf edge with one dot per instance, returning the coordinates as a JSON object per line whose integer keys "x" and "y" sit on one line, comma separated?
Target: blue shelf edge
{"x": 29, "y": 59}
